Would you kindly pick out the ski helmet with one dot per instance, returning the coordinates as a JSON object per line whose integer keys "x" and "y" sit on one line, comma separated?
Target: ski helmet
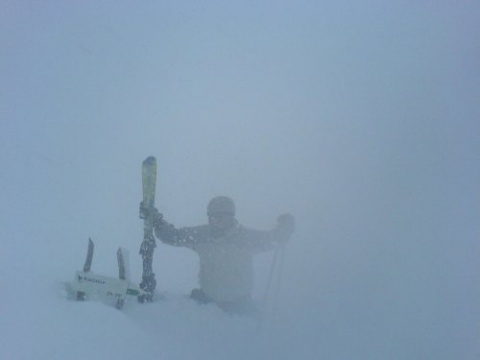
{"x": 221, "y": 204}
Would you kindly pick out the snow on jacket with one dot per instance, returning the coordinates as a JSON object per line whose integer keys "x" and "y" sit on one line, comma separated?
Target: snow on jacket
{"x": 226, "y": 263}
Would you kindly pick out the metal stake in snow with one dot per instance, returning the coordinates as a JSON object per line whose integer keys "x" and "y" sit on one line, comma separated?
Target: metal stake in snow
{"x": 89, "y": 285}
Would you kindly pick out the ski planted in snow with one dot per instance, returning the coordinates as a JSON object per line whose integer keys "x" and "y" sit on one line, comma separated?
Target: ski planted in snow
{"x": 149, "y": 179}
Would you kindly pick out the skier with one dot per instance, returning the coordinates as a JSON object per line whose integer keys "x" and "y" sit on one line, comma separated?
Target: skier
{"x": 225, "y": 249}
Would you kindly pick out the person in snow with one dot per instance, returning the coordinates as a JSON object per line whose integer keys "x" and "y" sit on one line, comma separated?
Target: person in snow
{"x": 226, "y": 251}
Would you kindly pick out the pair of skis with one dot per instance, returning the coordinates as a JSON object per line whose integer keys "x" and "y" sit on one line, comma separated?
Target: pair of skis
{"x": 88, "y": 284}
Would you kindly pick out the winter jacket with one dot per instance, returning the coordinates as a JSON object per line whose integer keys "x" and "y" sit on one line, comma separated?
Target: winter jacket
{"x": 226, "y": 263}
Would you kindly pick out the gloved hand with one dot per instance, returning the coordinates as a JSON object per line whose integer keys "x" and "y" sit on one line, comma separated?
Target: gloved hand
{"x": 286, "y": 222}
{"x": 150, "y": 214}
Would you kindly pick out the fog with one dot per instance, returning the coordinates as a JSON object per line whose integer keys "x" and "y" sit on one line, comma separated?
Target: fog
{"x": 360, "y": 119}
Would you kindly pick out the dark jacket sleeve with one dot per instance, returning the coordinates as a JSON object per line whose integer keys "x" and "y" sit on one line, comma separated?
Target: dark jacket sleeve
{"x": 186, "y": 236}
{"x": 266, "y": 240}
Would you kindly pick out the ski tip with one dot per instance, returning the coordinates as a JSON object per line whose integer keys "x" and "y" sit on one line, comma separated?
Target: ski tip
{"x": 150, "y": 160}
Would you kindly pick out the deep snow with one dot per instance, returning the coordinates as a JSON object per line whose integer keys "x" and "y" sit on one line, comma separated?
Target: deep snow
{"x": 360, "y": 118}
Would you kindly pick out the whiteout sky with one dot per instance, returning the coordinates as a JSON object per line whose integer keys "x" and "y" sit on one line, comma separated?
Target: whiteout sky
{"x": 360, "y": 118}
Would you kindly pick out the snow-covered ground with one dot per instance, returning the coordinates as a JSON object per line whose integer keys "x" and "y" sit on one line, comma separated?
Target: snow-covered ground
{"x": 360, "y": 118}
{"x": 378, "y": 317}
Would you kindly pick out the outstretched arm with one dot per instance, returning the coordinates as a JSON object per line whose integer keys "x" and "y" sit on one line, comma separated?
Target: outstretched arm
{"x": 186, "y": 236}
{"x": 266, "y": 240}
{"x": 167, "y": 233}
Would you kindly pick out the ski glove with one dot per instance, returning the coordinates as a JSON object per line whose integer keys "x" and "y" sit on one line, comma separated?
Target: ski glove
{"x": 150, "y": 214}
{"x": 286, "y": 222}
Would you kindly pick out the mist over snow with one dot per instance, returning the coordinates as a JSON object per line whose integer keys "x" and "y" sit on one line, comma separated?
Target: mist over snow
{"x": 360, "y": 118}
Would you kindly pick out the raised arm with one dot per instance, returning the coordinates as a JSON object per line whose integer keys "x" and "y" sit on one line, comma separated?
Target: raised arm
{"x": 266, "y": 240}
{"x": 186, "y": 236}
{"x": 167, "y": 233}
